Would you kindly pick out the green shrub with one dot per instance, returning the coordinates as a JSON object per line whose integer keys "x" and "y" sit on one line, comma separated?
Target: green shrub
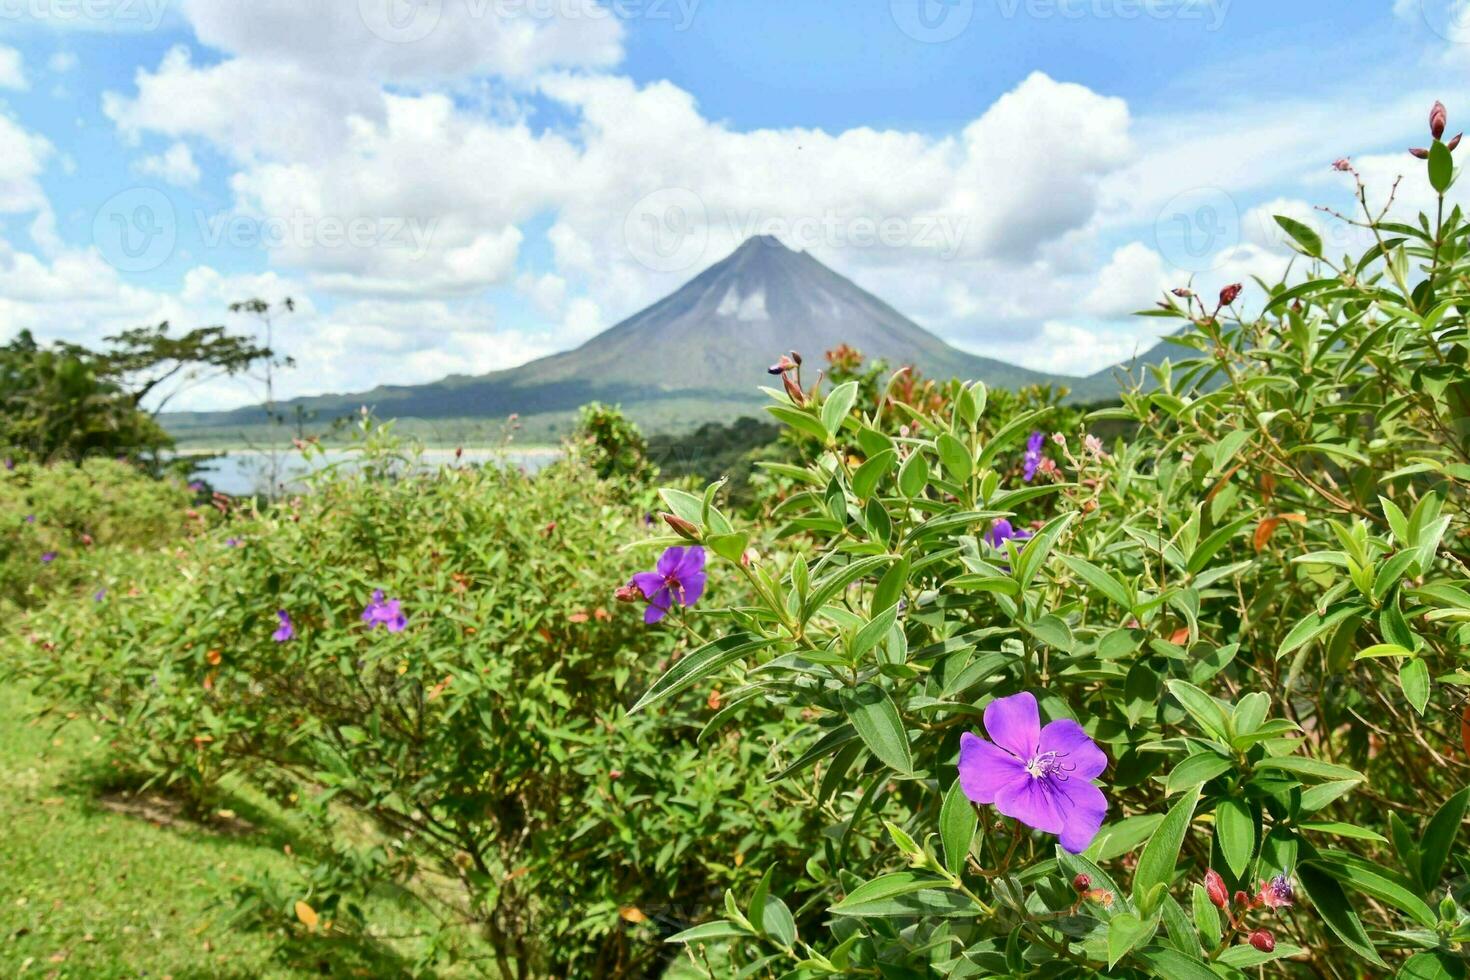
{"x": 85, "y": 516}
{"x": 480, "y": 758}
{"x": 1256, "y": 608}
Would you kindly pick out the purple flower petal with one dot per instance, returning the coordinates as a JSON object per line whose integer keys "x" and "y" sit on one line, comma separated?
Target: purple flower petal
{"x": 658, "y": 605}
{"x": 1067, "y": 739}
{"x": 1014, "y": 723}
{"x": 668, "y": 562}
{"x": 1031, "y": 802}
{"x": 985, "y": 768}
{"x": 648, "y": 583}
{"x": 692, "y": 588}
{"x": 1083, "y": 807}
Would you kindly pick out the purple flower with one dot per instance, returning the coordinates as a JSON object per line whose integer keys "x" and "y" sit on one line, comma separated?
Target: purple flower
{"x": 48, "y": 557}
{"x": 99, "y": 595}
{"x": 1033, "y": 456}
{"x": 679, "y": 578}
{"x": 1277, "y": 893}
{"x": 30, "y": 518}
{"x": 197, "y": 486}
{"x": 9, "y": 463}
{"x": 1039, "y": 776}
{"x": 384, "y": 613}
{"x": 232, "y": 542}
{"x": 285, "y": 631}
{"x": 1001, "y": 531}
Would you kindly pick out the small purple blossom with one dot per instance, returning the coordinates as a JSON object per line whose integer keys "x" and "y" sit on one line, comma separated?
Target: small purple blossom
{"x": 30, "y": 518}
{"x": 286, "y": 631}
{"x": 9, "y": 463}
{"x": 1001, "y": 531}
{"x": 1277, "y": 893}
{"x": 232, "y": 542}
{"x": 48, "y": 557}
{"x": 680, "y": 578}
{"x": 99, "y": 595}
{"x": 1033, "y": 457}
{"x": 1039, "y": 776}
{"x": 381, "y": 612}
{"x": 197, "y": 486}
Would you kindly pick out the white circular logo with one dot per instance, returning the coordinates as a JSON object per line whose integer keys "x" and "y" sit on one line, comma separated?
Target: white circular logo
{"x": 1198, "y": 230}
{"x": 668, "y": 230}
{"x": 932, "y": 21}
{"x": 1450, "y": 19}
{"x": 136, "y": 230}
{"x": 401, "y": 21}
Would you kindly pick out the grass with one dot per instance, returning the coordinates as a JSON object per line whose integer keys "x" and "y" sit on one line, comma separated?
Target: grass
{"x": 101, "y": 885}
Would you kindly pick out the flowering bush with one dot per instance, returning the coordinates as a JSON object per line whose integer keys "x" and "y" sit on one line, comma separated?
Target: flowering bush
{"x": 1180, "y": 705}
{"x": 61, "y": 524}
{"x": 432, "y": 672}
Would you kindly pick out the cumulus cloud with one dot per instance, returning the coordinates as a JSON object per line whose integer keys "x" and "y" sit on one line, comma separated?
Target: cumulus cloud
{"x": 175, "y": 166}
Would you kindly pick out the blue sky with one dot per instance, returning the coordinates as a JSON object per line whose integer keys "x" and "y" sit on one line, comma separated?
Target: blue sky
{"x": 461, "y": 185}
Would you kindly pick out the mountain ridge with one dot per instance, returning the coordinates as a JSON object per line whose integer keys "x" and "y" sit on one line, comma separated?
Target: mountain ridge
{"x": 708, "y": 341}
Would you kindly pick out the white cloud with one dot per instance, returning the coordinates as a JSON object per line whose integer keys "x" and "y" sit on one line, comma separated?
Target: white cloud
{"x": 175, "y": 166}
{"x": 12, "y": 69}
{"x": 1133, "y": 279}
{"x": 62, "y": 62}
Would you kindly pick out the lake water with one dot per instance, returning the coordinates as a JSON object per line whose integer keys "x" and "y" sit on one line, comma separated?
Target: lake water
{"x": 248, "y": 471}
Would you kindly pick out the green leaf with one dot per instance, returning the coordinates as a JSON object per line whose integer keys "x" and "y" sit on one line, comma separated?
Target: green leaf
{"x": 1203, "y": 708}
{"x": 1125, "y": 931}
{"x": 955, "y": 457}
{"x": 1439, "y": 837}
{"x": 709, "y": 932}
{"x": 1334, "y": 909}
{"x": 914, "y": 475}
{"x": 1100, "y": 580}
{"x": 1235, "y": 831}
{"x": 756, "y": 910}
{"x": 779, "y": 925}
{"x": 1196, "y": 770}
{"x": 1432, "y": 966}
{"x": 707, "y": 660}
{"x": 837, "y": 405}
{"x": 1313, "y": 768}
{"x": 1374, "y": 881}
{"x": 1309, "y": 241}
{"x": 829, "y": 586}
{"x": 1156, "y": 863}
{"x": 1441, "y": 167}
{"x": 1051, "y": 630}
{"x": 873, "y": 632}
{"x": 1315, "y": 624}
{"x": 878, "y": 723}
{"x": 1206, "y": 918}
{"x": 1245, "y": 955}
{"x": 886, "y": 887}
{"x": 957, "y": 823}
{"x": 871, "y": 473}
{"x": 1414, "y": 679}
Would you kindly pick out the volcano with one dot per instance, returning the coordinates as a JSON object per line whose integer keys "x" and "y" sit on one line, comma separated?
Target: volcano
{"x": 693, "y": 356}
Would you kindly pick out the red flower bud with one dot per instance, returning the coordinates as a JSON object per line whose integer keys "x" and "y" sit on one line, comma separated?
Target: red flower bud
{"x": 1454, "y": 142}
{"x": 1437, "y": 119}
{"x": 1081, "y": 883}
{"x": 1215, "y": 889}
{"x": 793, "y": 390}
{"x": 1229, "y": 294}
{"x": 628, "y": 593}
{"x": 1262, "y": 940}
{"x": 1419, "y": 151}
{"x": 796, "y": 356}
{"x": 1344, "y": 164}
{"x": 1241, "y": 898}
{"x": 681, "y": 527}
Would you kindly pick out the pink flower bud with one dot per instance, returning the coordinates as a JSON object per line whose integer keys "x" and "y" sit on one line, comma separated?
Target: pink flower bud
{"x": 1419, "y": 151}
{"x": 1343, "y": 164}
{"x": 1081, "y": 883}
{"x": 681, "y": 527}
{"x": 1230, "y": 293}
{"x": 1215, "y": 889}
{"x": 1454, "y": 142}
{"x": 1438, "y": 117}
{"x": 1182, "y": 292}
{"x": 1262, "y": 940}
